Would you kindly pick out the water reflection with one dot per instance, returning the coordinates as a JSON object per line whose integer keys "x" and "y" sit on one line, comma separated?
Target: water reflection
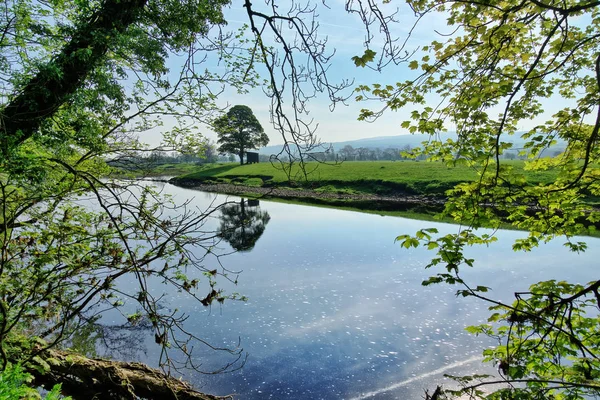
{"x": 242, "y": 223}
{"x": 336, "y": 309}
{"x": 122, "y": 342}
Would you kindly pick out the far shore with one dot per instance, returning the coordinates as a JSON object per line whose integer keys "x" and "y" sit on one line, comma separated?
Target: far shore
{"x": 420, "y": 204}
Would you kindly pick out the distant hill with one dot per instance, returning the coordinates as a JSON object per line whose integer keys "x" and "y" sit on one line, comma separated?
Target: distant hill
{"x": 398, "y": 142}
{"x": 382, "y": 142}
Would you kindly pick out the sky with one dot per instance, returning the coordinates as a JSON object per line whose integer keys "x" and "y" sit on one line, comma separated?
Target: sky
{"x": 346, "y": 35}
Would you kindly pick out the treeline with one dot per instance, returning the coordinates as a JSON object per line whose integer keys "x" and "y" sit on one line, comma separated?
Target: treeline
{"x": 158, "y": 157}
{"x": 349, "y": 153}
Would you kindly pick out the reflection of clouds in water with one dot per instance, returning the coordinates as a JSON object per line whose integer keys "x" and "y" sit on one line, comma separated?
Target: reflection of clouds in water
{"x": 336, "y": 309}
{"x": 388, "y": 328}
{"x": 437, "y": 372}
{"x": 339, "y": 319}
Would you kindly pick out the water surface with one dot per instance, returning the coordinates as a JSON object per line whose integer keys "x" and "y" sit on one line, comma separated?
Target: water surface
{"x": 336, "y": 309}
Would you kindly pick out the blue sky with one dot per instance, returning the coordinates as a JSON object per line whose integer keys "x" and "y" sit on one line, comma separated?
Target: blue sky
{"x": 346, "y": 34}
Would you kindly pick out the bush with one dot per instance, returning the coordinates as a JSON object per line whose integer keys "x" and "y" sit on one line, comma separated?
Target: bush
{"x": 13, "y": 385}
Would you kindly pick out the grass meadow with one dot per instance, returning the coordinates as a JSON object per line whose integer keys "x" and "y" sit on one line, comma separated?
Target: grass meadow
{"x": 378, "y": 177}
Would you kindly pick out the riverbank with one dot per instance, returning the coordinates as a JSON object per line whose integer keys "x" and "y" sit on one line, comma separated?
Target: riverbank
{"x": 363, "y": 201}
{"x": 385, "y": 187}
{"x": 426, "y": 208}
{"x": 408, "y": 189}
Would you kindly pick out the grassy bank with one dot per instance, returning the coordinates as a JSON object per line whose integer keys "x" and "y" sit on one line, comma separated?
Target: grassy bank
{"x": 369, "y": 177}
{"x": 145, "y": 170}
{"x": 410, "y": 189}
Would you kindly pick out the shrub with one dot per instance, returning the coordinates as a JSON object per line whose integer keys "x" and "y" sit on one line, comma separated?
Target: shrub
{"x": 14, "y": 385}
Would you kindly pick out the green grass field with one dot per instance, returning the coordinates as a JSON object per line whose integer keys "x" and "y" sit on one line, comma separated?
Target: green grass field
{"x": 378, "y": 177}
{"x": 174, "y": 169}
{"x": 150, "y": 170}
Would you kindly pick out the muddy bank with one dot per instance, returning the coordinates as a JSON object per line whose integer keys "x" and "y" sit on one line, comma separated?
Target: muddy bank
{"x": 393, "y": 202}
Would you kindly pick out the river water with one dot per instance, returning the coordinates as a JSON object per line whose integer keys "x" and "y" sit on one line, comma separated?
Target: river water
{"x": 336, "y": 309}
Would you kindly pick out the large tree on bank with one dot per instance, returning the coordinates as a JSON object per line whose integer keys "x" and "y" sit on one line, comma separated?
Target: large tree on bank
{"x": 239, "y": 131}
{"x": 81, "y": 81}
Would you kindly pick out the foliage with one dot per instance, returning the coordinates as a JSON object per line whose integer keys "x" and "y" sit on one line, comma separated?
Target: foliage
{"x": 239, "y": 131}
{"x": 81, "y": 81}
{"x": 13, "y": 380}
{"x": 505, "y": 64}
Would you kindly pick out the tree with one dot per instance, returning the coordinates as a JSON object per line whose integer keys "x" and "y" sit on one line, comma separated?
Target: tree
{"x": 362, "y": 153}
{"x": 239, "y": 131}
{"x": 391, "y": 154}
{"x": 507, "y": 63}
{"x": 210, "y": 153}
{"x": 377, "y": 154}
{"x": 347, "y": 153}
{"x": 81, "y": 80}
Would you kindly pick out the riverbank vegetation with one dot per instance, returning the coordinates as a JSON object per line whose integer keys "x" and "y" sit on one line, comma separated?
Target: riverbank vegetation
{"x": 505, "y": 65}
{"x": 81, "y": 80}
{"x": 368, "y": 177}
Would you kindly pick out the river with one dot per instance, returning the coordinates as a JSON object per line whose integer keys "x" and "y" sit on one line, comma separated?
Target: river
{"x": 336, "y": 309}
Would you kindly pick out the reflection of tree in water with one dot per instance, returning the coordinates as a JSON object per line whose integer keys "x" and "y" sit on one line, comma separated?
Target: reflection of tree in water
{"x": 129, "y": 341}
{"x": 120, "y": 342}
{"x": 242, "y": 224}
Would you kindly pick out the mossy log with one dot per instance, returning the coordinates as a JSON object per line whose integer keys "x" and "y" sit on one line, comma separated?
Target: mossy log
{"x": 87, "y": 378}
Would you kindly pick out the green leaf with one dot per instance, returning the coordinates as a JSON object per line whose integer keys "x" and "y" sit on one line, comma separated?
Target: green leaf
{"x": 367, "y": 57}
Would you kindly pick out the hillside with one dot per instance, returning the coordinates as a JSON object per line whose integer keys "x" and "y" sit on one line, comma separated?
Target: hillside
{"x": 398, "y": 142}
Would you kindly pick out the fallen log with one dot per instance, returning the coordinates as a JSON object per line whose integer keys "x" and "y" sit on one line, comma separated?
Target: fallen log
{"x": 87, "y": 378}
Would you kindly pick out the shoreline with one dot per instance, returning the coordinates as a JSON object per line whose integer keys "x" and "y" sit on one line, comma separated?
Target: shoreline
{"x": 394, "y": 202}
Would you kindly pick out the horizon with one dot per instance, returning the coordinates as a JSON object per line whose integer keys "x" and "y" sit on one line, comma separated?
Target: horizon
{"x": 340, "y": 123}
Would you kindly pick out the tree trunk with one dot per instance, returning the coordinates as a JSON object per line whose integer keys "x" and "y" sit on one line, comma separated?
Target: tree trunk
{"x": 86, "y": 378}
{"x": 66, "y": 72}
{"x": 241, "y": 154}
